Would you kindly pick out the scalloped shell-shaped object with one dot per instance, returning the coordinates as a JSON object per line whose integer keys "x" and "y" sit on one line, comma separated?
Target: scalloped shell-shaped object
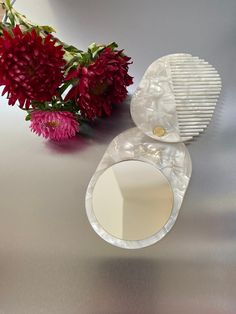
{"x": 173, "y": 161}
{"x": 176, "y": 98}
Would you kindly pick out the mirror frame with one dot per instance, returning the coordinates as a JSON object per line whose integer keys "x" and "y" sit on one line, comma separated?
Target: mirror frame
{"x": 172, "y": 160}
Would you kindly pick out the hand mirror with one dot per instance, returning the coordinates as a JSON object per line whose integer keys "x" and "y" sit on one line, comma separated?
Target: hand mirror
{"x": 135, "y": 195}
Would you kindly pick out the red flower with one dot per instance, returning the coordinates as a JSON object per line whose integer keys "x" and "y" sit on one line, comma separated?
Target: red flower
{"x": 101, "y": 84}
{"x": 30, "y": 66}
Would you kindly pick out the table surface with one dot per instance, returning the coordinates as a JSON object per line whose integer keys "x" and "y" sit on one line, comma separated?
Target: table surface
{"x": 51, "y": 261}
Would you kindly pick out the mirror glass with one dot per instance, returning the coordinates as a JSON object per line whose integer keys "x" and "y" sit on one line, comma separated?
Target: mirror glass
{"x": 132, "y": 200}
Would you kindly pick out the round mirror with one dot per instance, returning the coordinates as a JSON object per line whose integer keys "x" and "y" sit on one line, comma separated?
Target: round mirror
{"x": 132, "y": 200}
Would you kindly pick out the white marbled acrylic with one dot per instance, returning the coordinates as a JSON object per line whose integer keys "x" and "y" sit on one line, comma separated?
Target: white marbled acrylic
{"x": 172, "y": 160}
{"x": 178, "y": 93}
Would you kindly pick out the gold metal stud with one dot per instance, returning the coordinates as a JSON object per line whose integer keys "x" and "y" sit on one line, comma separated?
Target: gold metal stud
{"x": 159, "y": 131}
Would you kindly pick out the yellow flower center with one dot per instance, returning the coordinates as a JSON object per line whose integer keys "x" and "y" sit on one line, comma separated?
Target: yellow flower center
{"x": 30, "y": 71}
{"x": 53, "y": 124}
{"x": 99, "y": 89}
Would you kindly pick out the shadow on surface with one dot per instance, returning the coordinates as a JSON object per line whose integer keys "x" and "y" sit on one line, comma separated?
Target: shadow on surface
{"x": 127, "y": 285}
{"x": 72, "y": 145}
{"x": 100, "y": 131}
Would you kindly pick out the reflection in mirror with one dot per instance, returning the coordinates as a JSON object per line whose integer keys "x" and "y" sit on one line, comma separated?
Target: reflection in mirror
{"x": 132, "y": 200}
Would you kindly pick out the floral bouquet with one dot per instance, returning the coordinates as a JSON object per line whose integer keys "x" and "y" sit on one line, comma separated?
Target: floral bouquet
{"x": 58, "y": 85}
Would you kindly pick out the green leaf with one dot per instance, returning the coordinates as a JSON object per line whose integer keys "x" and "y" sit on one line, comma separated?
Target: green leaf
{"x": 71, "y": 49}
{"x": 96, "y": 52}
{"x": 28, "y": 117}
{"x": 48, "y": 29}
{"x": 95, "y": 49}
{"x": 11, "y": 18}
{"x": 8, "y": 3}
{"x": 5, "y": 25}
{"x": 92, "y": 47}
{"x": 112, "y": 46}
{"x": 75, "y": 60}
{"x": 85, "y": 59}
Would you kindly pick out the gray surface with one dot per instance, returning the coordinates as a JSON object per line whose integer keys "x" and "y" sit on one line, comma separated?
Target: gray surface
{"x": 50, "y": 259}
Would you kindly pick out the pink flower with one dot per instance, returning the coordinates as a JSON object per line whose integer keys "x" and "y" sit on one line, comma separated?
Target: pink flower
{"x": 102, "y": 83}
{"x": 54, "y": 125}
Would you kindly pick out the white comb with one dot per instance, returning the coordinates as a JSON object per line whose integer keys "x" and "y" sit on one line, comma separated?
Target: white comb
{"x": 176, "y": 98}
